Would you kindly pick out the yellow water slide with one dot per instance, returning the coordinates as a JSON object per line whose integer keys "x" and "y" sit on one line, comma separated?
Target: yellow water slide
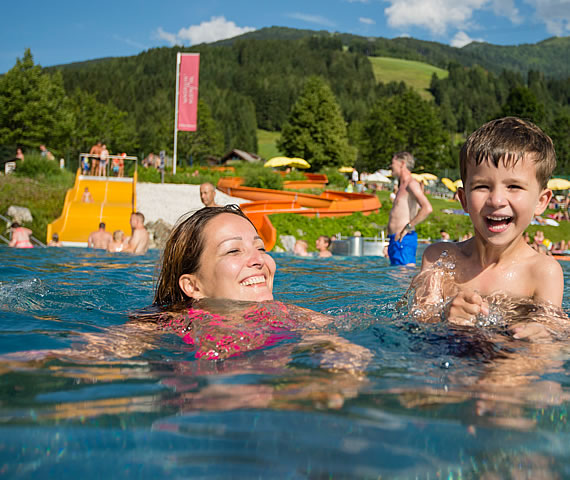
{"x": 114, "y": 199}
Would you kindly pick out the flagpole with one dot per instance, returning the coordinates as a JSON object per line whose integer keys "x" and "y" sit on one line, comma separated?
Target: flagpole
{"x": 176, "y": 112}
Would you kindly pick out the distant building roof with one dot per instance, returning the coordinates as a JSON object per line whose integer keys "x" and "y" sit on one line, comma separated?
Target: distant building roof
{"x": 241, "y": 155}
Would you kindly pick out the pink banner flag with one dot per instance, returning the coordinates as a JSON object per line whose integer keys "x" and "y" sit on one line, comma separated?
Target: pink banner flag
{"x": 188, "y": 92}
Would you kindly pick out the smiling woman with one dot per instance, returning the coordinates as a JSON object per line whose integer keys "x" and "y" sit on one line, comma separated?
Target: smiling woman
{"x": 215, "y": 290}
{"x": 215, "y": 253}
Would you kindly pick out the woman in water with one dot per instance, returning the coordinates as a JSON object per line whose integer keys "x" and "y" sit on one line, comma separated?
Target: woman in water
{"x": 216, "y": 291}
{"x": 20, "y": 236}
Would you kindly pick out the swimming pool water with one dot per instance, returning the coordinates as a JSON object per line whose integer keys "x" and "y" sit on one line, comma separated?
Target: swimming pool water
{"x": 419, "y": 410}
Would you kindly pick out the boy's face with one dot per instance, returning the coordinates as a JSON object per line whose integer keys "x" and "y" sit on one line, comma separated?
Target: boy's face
{"x": 502, "y": 201}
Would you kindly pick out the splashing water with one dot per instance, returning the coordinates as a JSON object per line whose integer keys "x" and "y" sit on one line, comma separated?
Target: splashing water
{"x": 432, "y": 290}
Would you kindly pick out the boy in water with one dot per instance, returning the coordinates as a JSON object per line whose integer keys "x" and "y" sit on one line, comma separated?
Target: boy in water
{"x": 505, "y": 166}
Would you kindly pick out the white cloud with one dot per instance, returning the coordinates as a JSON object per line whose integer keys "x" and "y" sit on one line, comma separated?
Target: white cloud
{"x": 169, "y": 37}
{"x": 217, "y": 28}
{"x": 554, "y": 13}
{"x": 434, "y": 15}
{"x": 461, "y": 39}
{"x": 366, "y": 21}
{"x": 507, "y": 8}
{"x": 316, "y": 19}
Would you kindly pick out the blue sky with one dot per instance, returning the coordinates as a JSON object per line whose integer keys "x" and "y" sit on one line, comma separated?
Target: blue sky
{"x": 64, "y": 31}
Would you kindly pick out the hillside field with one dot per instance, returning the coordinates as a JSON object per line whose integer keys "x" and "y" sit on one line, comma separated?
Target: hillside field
{"x": 415, "y": 74}
{"x": 266, "y": 144}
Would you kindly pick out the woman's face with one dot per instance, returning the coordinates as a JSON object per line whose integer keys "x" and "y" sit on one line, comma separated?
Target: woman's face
{"x": 234, "y": 263}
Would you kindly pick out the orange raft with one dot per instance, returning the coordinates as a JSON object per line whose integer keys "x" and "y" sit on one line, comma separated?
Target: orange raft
{"x": 268, "y": 202}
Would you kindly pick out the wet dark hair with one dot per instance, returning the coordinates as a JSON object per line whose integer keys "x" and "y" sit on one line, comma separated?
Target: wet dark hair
{"x": 15, "y": 225}
{"x": 183, "y": 252}
{"x": 508, "y": 140}
{"x": 102, "y": 225}
{"x": 55, "y": 237}
{"x": 327, "y": 240}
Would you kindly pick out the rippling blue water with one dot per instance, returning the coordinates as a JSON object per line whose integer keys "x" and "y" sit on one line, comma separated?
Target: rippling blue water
{"x": 158, "y": 412}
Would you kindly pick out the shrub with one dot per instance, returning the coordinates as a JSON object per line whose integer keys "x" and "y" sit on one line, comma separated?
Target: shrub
{"x": 35, "y": 166}
{"x": 257, "y": 176}
{"x": 295, "y": 175}
{"x": 336, "y": 179}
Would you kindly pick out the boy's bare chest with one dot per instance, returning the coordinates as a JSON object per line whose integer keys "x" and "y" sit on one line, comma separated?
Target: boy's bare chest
{"x": 510, "y": 279}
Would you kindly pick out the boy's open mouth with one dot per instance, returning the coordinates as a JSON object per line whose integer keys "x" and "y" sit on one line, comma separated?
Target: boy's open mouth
{"x": 497, "y": 223}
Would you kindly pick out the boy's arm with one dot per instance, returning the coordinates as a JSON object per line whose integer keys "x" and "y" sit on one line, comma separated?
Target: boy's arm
{"x": 462, "y": 308}
{"x": 549, "y": 280}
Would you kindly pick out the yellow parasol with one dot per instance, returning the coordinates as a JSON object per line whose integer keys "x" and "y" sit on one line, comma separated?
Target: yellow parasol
{"x": 429, "y": 176}
{"x": 558, "y": 184}
{"x": 286, "y": 162}
{"x": 419, "y": 178}
{"x": 345, "y": 169}
{"x": 299, "y": 163}
{"x": 449, "y": 184}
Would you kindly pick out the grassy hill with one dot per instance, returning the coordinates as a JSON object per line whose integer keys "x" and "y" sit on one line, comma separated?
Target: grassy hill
{"x": 266, "y": 144}
{"x": 415, "y": 74}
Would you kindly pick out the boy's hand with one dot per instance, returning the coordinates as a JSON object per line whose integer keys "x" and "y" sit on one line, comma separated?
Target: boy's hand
{"x": 465, "y": 307}
{"x": 533, "y": 331}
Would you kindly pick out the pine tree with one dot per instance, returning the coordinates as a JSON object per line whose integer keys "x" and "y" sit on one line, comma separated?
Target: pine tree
{"x": 205, "y": 141}
{"x": 315, "y": 129}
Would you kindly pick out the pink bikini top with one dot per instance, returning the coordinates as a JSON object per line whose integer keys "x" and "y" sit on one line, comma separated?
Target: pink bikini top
{"x": 218, "y": 337}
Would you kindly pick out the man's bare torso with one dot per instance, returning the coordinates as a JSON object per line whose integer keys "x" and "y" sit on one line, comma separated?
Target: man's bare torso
{"x": 100, "y": 240}
{"x": 404, "y": 208}
{"x": 140, "y": 240}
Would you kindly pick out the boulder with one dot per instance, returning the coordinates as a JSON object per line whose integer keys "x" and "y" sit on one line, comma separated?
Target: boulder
{"x": 159, "y": 232}
{"x": 288, "y": 242}
{"x": 20, "y": 214}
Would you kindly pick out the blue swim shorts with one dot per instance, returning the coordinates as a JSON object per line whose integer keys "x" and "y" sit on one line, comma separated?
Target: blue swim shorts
{"x": 404, "y": 251}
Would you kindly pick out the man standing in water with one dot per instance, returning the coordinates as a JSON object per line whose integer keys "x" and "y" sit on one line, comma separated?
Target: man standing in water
{"x": 410, "y": 207}
{"x": 208, "y": 194}
{"x": 139, "y": 240}
{"x": 100, "y": 238}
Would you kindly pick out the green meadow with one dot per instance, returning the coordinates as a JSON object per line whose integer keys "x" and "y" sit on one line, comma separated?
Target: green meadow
{"x": 267, "y": 144}
{"x": 415, "y": 74}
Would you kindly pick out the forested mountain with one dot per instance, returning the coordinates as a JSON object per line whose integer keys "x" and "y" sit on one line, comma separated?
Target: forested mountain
{"x": 551, "y": 56}
{"x": 254, "y": 81}
{"x": 249, "y": 84}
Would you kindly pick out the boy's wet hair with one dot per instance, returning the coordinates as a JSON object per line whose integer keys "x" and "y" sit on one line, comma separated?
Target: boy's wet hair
{"x": 508, "y": 140}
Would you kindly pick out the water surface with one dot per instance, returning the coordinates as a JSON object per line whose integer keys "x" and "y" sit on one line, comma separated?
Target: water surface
{"x": 433, "y": 402}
